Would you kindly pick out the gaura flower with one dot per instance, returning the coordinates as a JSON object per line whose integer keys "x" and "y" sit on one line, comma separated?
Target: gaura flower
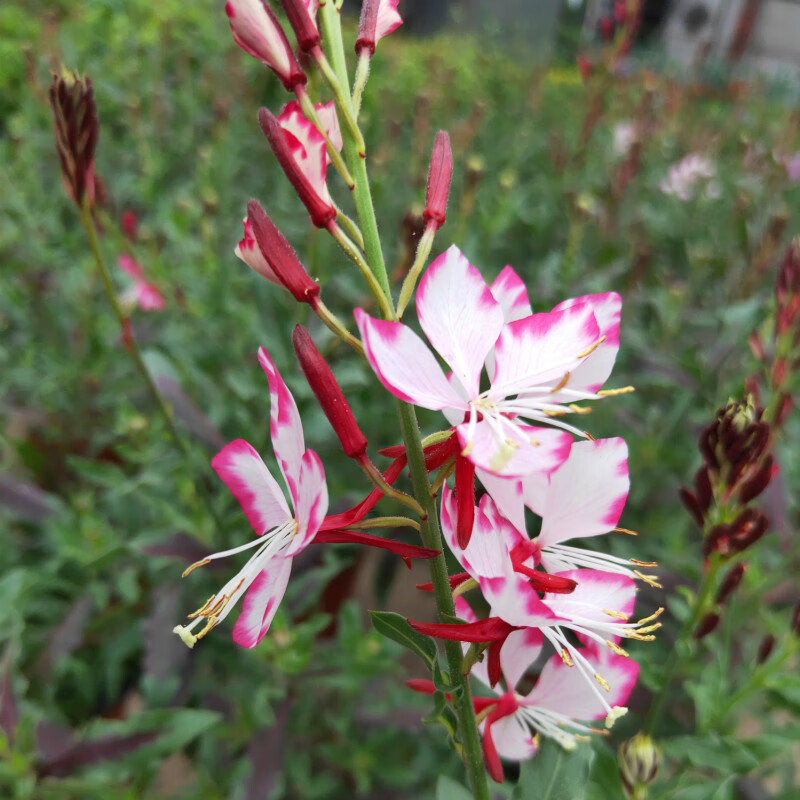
{"x": 557, "y": 706}
{"x": 141, "y": 294}
{"x": 683, "y": 177}
{"x": 257, "y": 31}
{"x": 597, "y": 606}
{"x": 583, "y": 498}
{"x": 537, "y": 363}
{"x": 281, "y": 532}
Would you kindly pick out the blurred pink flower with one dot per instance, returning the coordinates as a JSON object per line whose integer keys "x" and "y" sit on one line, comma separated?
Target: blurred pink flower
{"x": 792, "y": 164}
{"x": 141, "y": 294}
{"x": 683, "y": 177}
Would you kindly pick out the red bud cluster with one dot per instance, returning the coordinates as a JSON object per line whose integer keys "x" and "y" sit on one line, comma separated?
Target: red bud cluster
{"x": 736, "y": 465}
{"x": 77, "y": 129}
{"x": 329, "y": 394}
{"x": 787, "y": 295}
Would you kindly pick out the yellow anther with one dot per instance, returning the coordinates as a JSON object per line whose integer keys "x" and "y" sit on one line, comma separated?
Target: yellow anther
{"x": 655, "y": 615}
{"x": 202, "y": 608}
{"x": 579, "y": 409}
{"x": 602, "y": 681}
{"x": 650, "y": 580}
{"x": 643, "y": 563}
{"x": 625, "y": 530}
{"x": 615, "y": 614}
{"x": 654, "y": 627}
{"x": 616, "y": 648}
{"x": 581, "y": 738}
{"x": 589, "y": 436}
{"x": 561, "y": 384}
{"x": 512, "y": 444}
{"x": 565, "y": 657}
{"x": 592, "y": 348}
{"x": 615, "y": 392}
{"x": 534, "y": 442}
{"x": 467, "y": 449}
{"x": 194, "y": 566}
{"x": 555, "y": 412}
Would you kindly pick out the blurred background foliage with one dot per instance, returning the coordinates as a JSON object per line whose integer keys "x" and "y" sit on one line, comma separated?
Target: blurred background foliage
{"x": 100, "y": 515}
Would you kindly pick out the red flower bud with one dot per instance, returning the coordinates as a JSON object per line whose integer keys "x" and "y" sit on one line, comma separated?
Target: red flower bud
{"x": 753, "y": 485}
{"x": 367, "y": 26}
{"x": 730, "y": 583}
{"x": 329, "y": 394}
{"x": 692, "y": 505}
{"x": 303, "y": 25}
{"x": 585, "y": 67}
{"x": 748, "y": 528}
{"x": 702, "y": 488}
{"x": 440, "y": 174}
{"x": 465, "y": 500}
{"x": 706, "y": 626}
{"x": 765, "y": 648}
{"x": 607, "y": 28}
{"x": 257, "y": 31}
{"x": 280, "y": 255}
{"x": 129, "y": 223}
{"x": 321, "y": 210}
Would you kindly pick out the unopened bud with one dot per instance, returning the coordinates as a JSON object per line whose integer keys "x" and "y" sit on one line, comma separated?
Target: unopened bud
{"x": 257, "y": 31}
{"x": 702, "y": 488}
{"x": 303, "y": 25}
{"x": 754, "y": 484}
{"x": 329, "y": 394}
{"x": 367, "y": 26}
{"x": 280, "y": 256}
{"x": 692, "y": 505}
{"x": 730, "y": 583}
{"x": 639, "y": 759}
{"x": 747, "y": 529}
{"x": 77, "y": 129}
{"x": 707, "y": 625}
{"x": 440, "y": 174}
{"x": 765, "y": 648}
{"x": 717, "y": 540}
{"x": 321, "y": 210}
{"x": 465, "y": 500}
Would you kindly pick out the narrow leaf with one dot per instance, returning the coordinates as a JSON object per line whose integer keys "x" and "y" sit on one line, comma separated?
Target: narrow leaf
{"x": 555, "y": 773}
{"x": 394, "y": 626}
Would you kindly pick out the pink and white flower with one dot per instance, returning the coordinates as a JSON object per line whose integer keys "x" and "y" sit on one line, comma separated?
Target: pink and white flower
{"x": 684, "y": 176}
{"x": 257, "y": 31}
{"x": 307, "y": 144}
{"x": 537, "y": 363}
{"x": 281, "y": 533}
{"x": 248, "y": 251}
{"x": 583, "y": 498}
{"x": 560, "y": 697}
{"x": 498, "y": 559}
{"x": 142, "y": 294}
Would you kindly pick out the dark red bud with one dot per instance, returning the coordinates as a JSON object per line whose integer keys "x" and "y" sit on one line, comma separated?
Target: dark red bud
{"x": 717, "y": 540}
{"x": 784, "y": 409}
{"x": 706, "y": 626}
{"x": 730, "y": 583}
{"x": 607, "y": 28}
{"x": 330, "y": 396}
{"x": 765, "y": 648}
{"x": 465, "y": 500}
{"x": 751, "y": 487}
{"x": 321, "y": 211}
{"x": 440, "y": 174}
{"x": 585, "y": 67}
{"x": 748, "y": 528}
{"x": 129, "y": 223}
{"x": 367, "y": 26}
{"x": 692, "y": 505}
{"x": 702, "y": 488}
{"x": 304, "y": 27}
{"x": 708, "y": 443}
{"x": 437, "y": 455}
{"x": 280, "y": 255}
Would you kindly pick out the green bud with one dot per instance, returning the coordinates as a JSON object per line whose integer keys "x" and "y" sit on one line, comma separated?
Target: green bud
{"x": 638, "y": 759}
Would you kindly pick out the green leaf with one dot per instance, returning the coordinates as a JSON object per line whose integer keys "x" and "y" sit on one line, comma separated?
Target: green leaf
{"x": 394, "y": 626}
{"x": 555, "y": 773}
{"x": 448, "y": 789}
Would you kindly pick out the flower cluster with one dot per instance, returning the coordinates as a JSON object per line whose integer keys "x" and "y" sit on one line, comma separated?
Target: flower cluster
{"x": 513, "y": 384}
{"x": 683, "y": 178}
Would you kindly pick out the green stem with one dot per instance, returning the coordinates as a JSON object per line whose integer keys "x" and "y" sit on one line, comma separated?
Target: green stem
{"x": 432, "y": 537}
{"x": 330, "y": 26}
{"x": 335, "y": 325}
{"x": 352, "y": 252}
{"x": 423, "y": 251}
{"x": 697, "y": 612}
{"x": 362, "y": 74}
{"x": 350, "y": 225}
{"x": 133, "y": 349}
